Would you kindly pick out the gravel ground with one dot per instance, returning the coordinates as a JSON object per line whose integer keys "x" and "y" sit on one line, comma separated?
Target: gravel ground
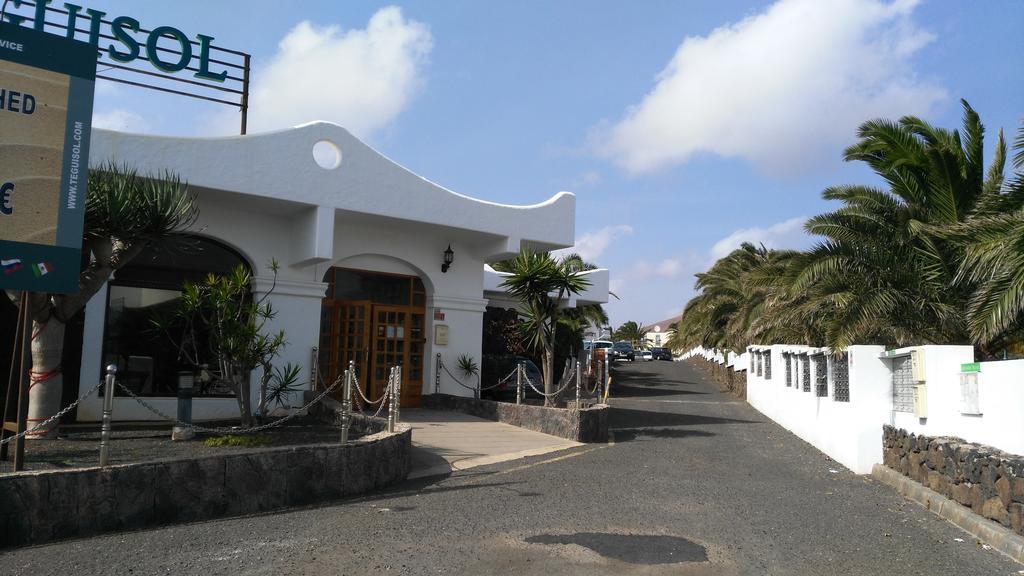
{"x": 79, "y": 446}
{"x": 696, "y": 483}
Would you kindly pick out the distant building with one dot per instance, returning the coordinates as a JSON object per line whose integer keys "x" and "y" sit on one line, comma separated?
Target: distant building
{"x": 658, "y": 333}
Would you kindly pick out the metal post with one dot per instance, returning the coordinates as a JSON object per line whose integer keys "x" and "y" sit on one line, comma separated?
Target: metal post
{"x": 398, "y": 393}
{"x": 391, "y": 401}
{"x": 519, "y": 383}
{"x": 108, "y": 408}
{"x": 346, "y": 402}
{"x": 244, "y": 105}
{"x": 313, "y": 369}
{"x": 182, "y": 429}
{"x": 579, "y": 383}
{"x": 607, "y": 377}
{"x": 437, "y": 375}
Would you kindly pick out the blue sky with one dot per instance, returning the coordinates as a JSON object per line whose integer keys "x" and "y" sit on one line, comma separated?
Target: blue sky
{"x": 683, "y": 127}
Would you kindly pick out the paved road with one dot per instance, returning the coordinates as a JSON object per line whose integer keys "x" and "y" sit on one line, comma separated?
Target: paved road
{"x": 693, "y": 476}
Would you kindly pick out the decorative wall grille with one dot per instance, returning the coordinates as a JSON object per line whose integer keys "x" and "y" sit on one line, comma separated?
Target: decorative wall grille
{"x": 820, "y": 376}
{"x": 805, "y": 372}
{"x": 760, "y": 363}
{"x": 786, "y": 356}
{"x": 840, "y": 378}
{"x": 768, "y": 365}
{"x": 902, "y": 384}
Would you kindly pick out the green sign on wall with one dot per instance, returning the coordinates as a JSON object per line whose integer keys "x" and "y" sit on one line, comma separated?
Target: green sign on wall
{"x": 971, "y": 367}
{"x": 46, "y": 95}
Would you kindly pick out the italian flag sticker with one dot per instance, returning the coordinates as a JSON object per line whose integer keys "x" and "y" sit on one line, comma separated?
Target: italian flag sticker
{"x": 42, "y": 269}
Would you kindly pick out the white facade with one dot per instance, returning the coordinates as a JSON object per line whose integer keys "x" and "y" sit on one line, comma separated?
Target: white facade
{"x": 659, "y": 332}
{"x": 848, "y": 426}
{"x": 267, "y": 197}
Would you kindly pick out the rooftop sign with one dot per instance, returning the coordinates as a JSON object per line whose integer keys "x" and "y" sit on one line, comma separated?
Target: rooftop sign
{"x": 164, "y": 58}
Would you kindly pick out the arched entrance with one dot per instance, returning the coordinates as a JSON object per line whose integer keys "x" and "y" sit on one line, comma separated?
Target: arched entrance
{"x": 149, "y": 288}
{"x": 376, "y": 320}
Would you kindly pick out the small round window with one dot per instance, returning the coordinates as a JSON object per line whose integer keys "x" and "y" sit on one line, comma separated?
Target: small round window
{"x": 327, "y": 154}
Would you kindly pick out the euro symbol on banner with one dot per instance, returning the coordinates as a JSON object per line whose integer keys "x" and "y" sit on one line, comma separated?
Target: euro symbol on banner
{"x": 6, "y": 207}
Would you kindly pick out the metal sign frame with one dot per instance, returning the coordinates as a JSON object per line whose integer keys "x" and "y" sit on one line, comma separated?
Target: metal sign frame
{"x": 122, "y": 43}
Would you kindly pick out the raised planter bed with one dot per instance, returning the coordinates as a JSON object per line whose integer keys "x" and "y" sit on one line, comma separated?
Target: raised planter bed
{"x": 590, "y": 424}
{"x": 47, "y": 505}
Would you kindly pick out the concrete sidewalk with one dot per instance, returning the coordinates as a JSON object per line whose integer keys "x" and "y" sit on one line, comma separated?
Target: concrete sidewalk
{"x": 444, "y": 441}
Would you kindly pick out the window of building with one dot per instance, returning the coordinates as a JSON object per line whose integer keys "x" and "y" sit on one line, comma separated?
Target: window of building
{"x": 149, "y": 287}
{"x": 820, "y": 376}
{"x": 840, "y": 378}
{"x": 903, "y": 384}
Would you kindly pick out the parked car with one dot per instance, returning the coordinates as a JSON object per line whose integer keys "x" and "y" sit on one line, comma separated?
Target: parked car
{"x": 597, "y": 344}
{"x": 661, "y": 354}
{"x": 644, "y": 355}
{"x": 495, "y": 367}
{"x": 622, "y": 351}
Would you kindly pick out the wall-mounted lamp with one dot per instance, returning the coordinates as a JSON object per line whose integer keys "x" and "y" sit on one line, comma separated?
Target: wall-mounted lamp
{"x": 449, "y": 257}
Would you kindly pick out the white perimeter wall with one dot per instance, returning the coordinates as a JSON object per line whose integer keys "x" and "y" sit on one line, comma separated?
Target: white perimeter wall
{"x": 851, "y": 432}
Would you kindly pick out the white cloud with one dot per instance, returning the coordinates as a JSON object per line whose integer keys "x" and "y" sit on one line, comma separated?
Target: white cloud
{"x": 788, "y": 234}
{"x": 782, "y": 88}
{"x": 361, "y": 79}
{"x": 120, "y": 120}
{"x": 589, "y": 178}
{"x": 667, "y": 268}
{"x": 592, "y": 245}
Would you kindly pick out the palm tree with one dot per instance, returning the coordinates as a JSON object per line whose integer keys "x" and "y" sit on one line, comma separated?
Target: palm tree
{"x": 883, "y": 272}
{"x": 734, "y": 294}
{"x": 125, "y": 212}
{"x": 993, "y": 243}
{"x": 631, "y": 332}
{"x": 541, "y": 283}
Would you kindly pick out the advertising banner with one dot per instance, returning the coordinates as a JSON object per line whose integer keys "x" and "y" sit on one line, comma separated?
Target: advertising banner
{"x": 46, "y": 96}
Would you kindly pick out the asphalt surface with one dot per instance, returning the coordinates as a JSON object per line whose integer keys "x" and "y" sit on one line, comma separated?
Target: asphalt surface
{"x": 695, "y": 483}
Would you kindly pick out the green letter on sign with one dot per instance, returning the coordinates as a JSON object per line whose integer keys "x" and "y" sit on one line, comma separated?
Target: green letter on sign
{"x": 183, "y": 41}
{"x": 118, "y": 28}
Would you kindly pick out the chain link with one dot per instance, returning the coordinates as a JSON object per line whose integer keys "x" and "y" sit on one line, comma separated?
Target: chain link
{"x": 53, "y": 418}
{"x": 474, "y": 388}
{"x": 232, "y": 430}
{"x": 359, "y": 389}
{"x": 553, "y": 394}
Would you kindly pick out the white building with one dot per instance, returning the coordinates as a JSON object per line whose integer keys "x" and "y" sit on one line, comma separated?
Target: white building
{"x": 658, "y": 333}
{"x": 360, "y": 241}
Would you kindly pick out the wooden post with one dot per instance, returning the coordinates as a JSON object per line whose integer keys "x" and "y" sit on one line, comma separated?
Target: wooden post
{"x": 21, "y": 364}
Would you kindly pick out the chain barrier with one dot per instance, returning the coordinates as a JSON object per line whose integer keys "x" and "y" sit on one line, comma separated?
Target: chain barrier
{"x": 474, "y": 388}
{"x": 53, "y": 418}
{"x": 572, "y": 373}
{"x": 526, "y": 377}
{"x": 232, "y": 430}
{"x": 359, "y": 390}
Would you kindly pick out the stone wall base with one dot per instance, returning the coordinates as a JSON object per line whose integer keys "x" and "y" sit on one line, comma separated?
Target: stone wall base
{"x": 988, "y": 532}
{"x": 732, "y": 381}
{"x": 981, "y": 478}
{"x": 43, "y": 506}
{"x": 587, "y": 425}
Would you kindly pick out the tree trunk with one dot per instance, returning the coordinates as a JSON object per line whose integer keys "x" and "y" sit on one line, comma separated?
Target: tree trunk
{"x": 244, "y": 396}
{"x": 47, "y": 384}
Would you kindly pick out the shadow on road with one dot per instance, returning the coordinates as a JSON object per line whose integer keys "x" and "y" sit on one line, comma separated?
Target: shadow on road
{"x": 638, "y": 389}
{"x": 621, "y": 418}
{"x": 633, "y": 376}
{"x": 630, "y": 434}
